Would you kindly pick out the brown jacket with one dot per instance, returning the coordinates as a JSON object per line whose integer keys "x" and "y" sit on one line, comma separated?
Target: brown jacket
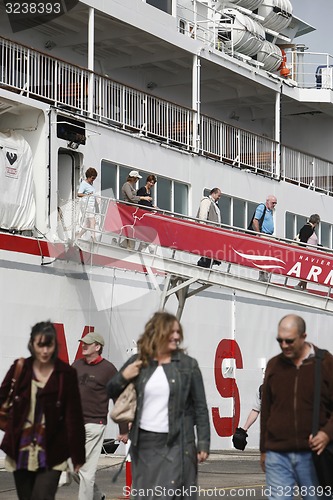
{"x": 287, "y": 403}
{"x": 64, "y": 426}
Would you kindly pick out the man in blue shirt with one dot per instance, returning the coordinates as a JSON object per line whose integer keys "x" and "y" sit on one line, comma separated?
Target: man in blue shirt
{"x": 263, "y": 222}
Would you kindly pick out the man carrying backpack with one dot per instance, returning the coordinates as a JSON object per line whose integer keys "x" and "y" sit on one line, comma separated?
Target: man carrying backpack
{"x": 263, "y": 222}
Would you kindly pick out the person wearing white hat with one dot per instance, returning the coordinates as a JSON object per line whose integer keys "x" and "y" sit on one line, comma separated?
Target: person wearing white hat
{"x": 130, "y": 196}
{"x": 129, "y": 191}
{"x": 93, "y": 373}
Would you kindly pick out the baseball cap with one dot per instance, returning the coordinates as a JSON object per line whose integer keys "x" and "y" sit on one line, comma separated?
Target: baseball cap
{"x": 135, "y": 173}
{"x": 92, "y": 337}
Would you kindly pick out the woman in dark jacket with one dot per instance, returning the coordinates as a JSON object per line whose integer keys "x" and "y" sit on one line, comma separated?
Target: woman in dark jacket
{"x": 307, "y": 235}
{"x": 45, "y": 424}
{"x": 171, "y": 402}
{"x": 145, "y": 191}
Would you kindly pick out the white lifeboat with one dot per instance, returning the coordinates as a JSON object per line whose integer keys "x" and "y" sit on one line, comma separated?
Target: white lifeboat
{"x": 240, "y": 32}
{"x": 270, "y": 55}
{"x": 247, "y": 4}
{"x": 277, "y": 14}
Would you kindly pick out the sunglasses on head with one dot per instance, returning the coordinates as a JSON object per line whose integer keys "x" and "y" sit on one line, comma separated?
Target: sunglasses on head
{"x": 287, "y": 341}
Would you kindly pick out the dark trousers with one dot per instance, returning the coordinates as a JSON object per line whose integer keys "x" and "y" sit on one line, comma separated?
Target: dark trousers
{"x": 205, "y": 262}
{"x": 39, "y": 485}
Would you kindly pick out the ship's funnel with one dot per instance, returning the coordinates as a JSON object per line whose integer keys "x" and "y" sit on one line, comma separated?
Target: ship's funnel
{"x": 277, "y": 14}
{"x": 240, "y": 32}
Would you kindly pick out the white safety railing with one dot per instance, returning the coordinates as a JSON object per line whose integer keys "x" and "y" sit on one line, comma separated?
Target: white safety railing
{"x": 134, "y": 110}
{"x": 238, "y": 147}
{"x": 38, "y": 75}
{"x": 305, "y": 170}
{"x": 310, "y": 69}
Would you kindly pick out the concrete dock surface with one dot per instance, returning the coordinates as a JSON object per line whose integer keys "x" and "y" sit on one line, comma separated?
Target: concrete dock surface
{"x": 229, "y": 474}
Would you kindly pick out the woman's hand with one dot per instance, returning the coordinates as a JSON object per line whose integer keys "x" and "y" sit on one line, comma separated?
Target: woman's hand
{"x": 202, "y": 456}
{"x": 132, "y": 370}
{"x": 77, "y": 467}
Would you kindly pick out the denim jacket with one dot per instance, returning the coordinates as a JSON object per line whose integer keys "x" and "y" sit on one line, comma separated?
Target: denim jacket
{"x": 187, "y": 401}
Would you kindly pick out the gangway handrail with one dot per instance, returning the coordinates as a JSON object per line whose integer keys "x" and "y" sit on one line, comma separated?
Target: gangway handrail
{"x": 217, "y": 225}
{"x": 121, "y": 223}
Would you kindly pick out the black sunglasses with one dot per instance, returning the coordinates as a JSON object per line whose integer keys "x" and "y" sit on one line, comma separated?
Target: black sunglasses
{"x": 287, "y": 341}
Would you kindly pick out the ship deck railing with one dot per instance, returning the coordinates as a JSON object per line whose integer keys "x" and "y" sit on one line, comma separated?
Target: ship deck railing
{"x": 76, "y": 89}
{"x": 119, "y": 240}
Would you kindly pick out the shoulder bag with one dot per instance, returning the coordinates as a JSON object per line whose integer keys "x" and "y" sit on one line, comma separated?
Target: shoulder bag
{"x": 7, "y": 405}
{"x": 124, "y": 408}
{"x": 261, "y": 220}
{"x": 323, "y": 462}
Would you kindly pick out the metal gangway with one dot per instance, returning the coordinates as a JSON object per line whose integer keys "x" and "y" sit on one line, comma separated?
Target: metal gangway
{"x": 159, "y": 243}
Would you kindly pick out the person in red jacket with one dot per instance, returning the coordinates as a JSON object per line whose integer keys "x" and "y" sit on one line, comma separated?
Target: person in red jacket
{"x": 46, "y": 424}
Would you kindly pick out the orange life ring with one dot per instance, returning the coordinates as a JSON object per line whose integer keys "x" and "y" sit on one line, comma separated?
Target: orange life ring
{"x": 284, "y": 71}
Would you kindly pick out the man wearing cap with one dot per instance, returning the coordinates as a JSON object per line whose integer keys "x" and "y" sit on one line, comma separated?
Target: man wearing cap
{"x": 130, "y": 196}
{"x": 129, "y": 191}
{"x": 93, "y": 374}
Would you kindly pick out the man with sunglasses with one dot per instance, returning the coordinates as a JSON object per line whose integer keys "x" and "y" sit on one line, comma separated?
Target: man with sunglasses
{"x": 263, "y": 222}
{"x": 286, "y": 442}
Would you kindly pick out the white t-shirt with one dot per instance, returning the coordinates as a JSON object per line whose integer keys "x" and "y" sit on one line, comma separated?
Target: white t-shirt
{"x": 256, "y": 406}
{"x": 86, "y": 188}
{"x": 155, "y": 414}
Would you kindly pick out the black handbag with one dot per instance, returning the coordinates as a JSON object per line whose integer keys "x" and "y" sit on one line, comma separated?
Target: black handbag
{"x": 324, "y": 462}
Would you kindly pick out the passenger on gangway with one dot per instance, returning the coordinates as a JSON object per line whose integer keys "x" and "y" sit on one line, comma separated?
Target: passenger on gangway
{"x": 145, "y": 191}
{"x": 91, "y": 207}
{"x": 307, "y": 235}
{"x": 129, "y": 195}
{"x": 239, "y": 438}
{"x": 263, "y": 222}
{"x": 209, "y": 211}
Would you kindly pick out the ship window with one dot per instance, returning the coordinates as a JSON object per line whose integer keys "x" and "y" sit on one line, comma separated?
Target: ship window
{"x": 325, "y": 234}
{"x": 291, "y": 229}
{"x": 251, "y": 208}
{"x": 163, "y": 194}
{"x": 165, "y": 5}
{"x": 180, "y": 198}
{"x": 167, "y": 194}
{"x": 225, "y": 208}
{"x": 109, "y": 180}
{"x": 239, "y": 213}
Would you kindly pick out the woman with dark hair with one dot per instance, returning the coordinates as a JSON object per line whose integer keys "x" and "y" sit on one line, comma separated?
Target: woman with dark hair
{"x": 171, "y": 402}
{"x": 145, "y": 191}
{"x": 308, "y": 235}
{"x": 45, "y": 425}
{"x": 87, "y": 190}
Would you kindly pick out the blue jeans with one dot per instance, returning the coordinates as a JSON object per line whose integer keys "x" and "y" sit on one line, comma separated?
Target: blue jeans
{"x": 291, "y": 474}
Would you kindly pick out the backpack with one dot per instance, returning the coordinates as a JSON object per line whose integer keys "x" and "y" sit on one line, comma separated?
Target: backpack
{"x": 261, "y": 220}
